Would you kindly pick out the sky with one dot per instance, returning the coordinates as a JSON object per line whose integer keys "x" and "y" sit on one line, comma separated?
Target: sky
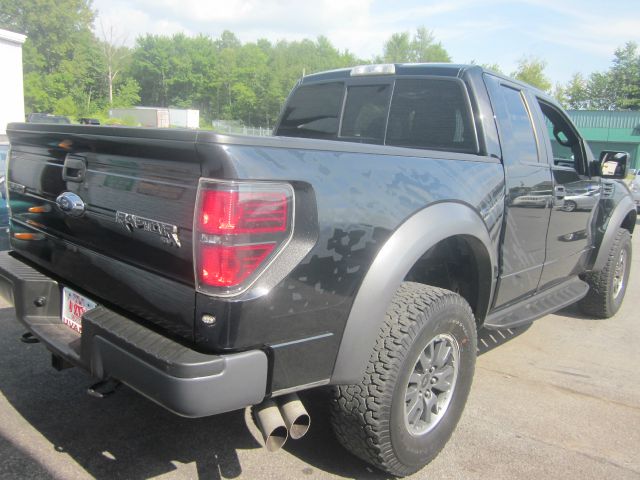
{"x": 570, "y": 35}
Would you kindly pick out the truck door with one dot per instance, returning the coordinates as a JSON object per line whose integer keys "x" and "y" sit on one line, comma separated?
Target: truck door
{"x": 576, "y": 194}
{"x": 528, "y": 193}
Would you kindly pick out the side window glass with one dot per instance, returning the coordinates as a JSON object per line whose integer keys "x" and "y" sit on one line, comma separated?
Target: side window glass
{"x": 365, "y": 113}
{"x": 565, "y": 144}
{"x": 430, "y": 113}
{"x": 517, "y": 137}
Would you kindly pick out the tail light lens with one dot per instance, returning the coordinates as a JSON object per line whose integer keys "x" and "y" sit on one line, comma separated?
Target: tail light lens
{"x": 239, "y": 228}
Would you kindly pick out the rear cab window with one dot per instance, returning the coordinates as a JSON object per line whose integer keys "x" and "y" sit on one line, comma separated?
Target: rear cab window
{"x": 365, "y": 113}
{"x": 313, "y": 111}
{"x": 425, "y": 113}
{"x": 431, "y": 114}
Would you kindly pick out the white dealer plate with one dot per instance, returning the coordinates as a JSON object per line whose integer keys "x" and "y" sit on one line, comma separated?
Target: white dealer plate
{"x": 74, "y": 306}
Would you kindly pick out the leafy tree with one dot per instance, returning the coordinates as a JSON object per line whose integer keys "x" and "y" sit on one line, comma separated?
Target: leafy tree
{"x": 54, "y": 28}
{"x": 127, "y": 93}
{"x": 424, "y": 48}
{"x": 575, "y": 94}
{"x": 601, "y": 92}
{"x": 531, "y": 70}
{"x": 625, "y": 76}
{"x": 398, "y": 48}
{"x": 402, "y": 48}
{"x": 615, "y": 89}
{"x": 150, "y": 67}
{"x": 58, "y": 55}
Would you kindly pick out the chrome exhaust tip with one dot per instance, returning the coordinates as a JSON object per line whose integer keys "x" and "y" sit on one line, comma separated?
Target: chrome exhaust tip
{"x": 271, "y": 424}
{"x": 296, "y": 417}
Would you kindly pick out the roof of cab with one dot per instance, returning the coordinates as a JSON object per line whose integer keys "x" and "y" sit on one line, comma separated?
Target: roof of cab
{"x": 434, "y": 69}
{"x": 438, "y": 69}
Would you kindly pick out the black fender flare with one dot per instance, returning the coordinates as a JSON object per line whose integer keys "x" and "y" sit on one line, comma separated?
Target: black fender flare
{"x": 400, "y": 252}
{"x": 619, "y": 214}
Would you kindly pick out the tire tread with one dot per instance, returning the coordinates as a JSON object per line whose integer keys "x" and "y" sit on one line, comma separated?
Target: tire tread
{"x": 597, "y": 302}
{"x": 359, "y": 412}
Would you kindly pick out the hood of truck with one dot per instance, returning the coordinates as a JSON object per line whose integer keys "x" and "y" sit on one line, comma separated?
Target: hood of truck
{"x": 111, "y": 213}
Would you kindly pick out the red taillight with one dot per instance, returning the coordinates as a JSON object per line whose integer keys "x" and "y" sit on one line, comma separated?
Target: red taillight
{"x": 239, "y": 227}
{"x": 233, "y": 212}
{"x": 228, "y": 266}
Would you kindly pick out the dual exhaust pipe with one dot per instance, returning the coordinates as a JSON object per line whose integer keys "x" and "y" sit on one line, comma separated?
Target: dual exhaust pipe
{"x": 281, "y": 418}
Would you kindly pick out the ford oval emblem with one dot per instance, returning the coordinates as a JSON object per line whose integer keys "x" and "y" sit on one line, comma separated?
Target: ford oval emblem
{"x": 70, "y": 203}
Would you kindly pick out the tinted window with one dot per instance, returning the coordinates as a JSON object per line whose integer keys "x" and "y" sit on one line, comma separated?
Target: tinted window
{"x": 313, "y": 111}
{"x": 365, "y": 113}
{"x": 516, "y": 131}
{"x": 430, "y": 113}
{"x": 3, "y": 153}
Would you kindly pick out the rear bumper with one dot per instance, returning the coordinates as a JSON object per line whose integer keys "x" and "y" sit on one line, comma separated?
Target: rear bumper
{"x": 185, "y": 381}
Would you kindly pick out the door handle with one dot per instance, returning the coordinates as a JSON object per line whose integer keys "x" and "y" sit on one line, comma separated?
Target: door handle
{"x": 74, "y": 168}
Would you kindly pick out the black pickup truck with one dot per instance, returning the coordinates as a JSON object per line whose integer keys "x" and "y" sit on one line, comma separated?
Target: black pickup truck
{"x": 397, "y": 209}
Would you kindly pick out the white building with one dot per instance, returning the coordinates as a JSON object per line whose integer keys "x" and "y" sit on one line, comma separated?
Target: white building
{"x": 11, "y": 86}
{"x": 184, "y": 118}
{"x": 145, "y": 116}
{"x": 158, "y": 117}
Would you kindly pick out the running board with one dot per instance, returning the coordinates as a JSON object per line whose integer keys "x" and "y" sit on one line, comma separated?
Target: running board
{"x": 542, "y": 303}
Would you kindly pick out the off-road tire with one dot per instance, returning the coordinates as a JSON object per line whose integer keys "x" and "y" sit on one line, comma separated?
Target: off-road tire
{"x": 369, "y": 417}
{"x": 601, "y": 302}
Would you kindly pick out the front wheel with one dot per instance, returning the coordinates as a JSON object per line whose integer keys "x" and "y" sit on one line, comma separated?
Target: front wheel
{"x": 416, "y": 384}
{"x": 608, "y": 286}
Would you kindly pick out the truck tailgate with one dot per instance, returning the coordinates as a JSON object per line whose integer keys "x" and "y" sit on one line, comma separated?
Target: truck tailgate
{"x": 131, "y": 246}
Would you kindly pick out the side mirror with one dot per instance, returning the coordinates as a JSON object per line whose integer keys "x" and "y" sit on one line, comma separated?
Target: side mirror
{"x": 614, "y": 164}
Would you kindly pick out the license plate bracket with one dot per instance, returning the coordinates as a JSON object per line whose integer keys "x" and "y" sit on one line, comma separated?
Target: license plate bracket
{"x": 74, "y": 305}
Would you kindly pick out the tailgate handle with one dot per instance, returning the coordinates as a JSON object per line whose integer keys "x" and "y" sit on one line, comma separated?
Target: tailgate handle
{"x": 74, "y": 169}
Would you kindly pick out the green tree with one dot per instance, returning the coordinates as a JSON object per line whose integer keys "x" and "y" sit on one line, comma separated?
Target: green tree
{"x": 422, "y": 47}
{"x": 625, "y": 76}
{"x": 575, "y": 95}
{"x": 531, "y": 70}
{"x": 59, "y": 55}
{"x": 398, "y": 48}
{"x": 150, "y": 67}
{"x": 126, "y": 93}
{"x": 601, "y": 92}
{"x": 615, "y": 89}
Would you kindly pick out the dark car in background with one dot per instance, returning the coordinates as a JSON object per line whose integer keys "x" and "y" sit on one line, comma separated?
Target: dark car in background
{"x": 47, "y": 118}
{"x": 89, "y": 121}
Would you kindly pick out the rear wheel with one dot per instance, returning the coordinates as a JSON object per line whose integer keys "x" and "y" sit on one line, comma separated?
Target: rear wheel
{"x": 608, "y": 286}
{"x": 416, "y": 384}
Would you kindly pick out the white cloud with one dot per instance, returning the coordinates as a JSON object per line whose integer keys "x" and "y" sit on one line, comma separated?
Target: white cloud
{"x": 286, "y": 15}
{"x": 129, "y": 22}
{"x": 597, "y": 30}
